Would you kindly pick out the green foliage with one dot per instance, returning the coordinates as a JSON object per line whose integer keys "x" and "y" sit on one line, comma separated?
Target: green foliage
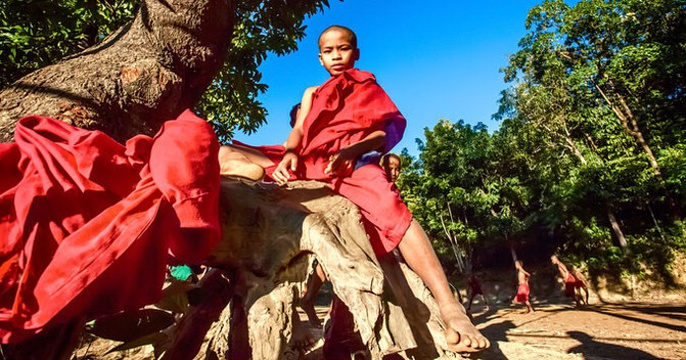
{"x": 594, "y": 105}
{"x": 37, "y": 33}
{"x": 591, "y": 130}
{"x": 461, "y": 191}
{"x": 649, "y": 256}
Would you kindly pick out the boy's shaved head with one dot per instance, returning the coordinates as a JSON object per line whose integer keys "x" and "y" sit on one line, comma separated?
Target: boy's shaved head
{"x": 351, "y": 34}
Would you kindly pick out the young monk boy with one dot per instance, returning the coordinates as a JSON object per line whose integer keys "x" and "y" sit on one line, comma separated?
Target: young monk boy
{"x": 523, "y": 288}
{"x": 392, "y": 165}
{"x": 474, "y": 288}
{"x": 573, "y": 286}
{"x": 341, "y": 120}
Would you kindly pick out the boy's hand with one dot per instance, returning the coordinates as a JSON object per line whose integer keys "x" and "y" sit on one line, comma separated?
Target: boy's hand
{"x": 289, "y": 162}
{"x": 341, "y": 163}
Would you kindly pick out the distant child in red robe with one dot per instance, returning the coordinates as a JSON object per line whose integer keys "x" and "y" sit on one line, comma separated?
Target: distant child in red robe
{"x": 573, "y": 286}
{"x": 341, "y": 121}
{"x": 523, "y": 288}
{"x": 474, "y": 288}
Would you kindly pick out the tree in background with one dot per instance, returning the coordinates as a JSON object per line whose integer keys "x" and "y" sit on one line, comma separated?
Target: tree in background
{"x": 462, "y": 190}
{"x": 597, "y": 96}
{"x": 586, "y": 157}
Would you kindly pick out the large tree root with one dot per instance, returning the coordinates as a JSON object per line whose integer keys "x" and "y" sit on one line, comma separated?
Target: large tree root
{"x": 393, "y": 310}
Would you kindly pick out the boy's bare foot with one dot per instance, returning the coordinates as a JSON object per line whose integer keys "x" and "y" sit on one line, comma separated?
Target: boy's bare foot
{"x": 308, "y": 306}
{"x": 242, "y": 169}
{"x": 461, "y": 335}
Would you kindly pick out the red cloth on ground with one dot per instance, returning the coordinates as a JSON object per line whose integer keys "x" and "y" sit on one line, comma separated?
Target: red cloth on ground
{"x": 522, "y": 293}
{"x": 87, "y": 224}
{"x": 346, "y": 109}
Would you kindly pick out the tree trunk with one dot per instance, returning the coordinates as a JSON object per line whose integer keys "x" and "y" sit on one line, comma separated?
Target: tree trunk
{"x": 617, "y": 230}
{"x": 630, "y": 124}
{"x": 215, "y": 293}
{"x": 142, "y": 75}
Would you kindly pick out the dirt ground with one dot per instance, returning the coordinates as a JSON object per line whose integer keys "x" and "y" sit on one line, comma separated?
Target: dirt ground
{"x": 649, "y": 326}
{"x": 555, "y": 331}
{"x": 599, "y": 331}
{"x": 558, "y": 331}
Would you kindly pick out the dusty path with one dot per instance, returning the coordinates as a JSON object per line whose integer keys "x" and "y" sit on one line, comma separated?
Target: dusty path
{"x": 553, "y": 332}
{"x": 600, "y": 331}
{"x": 596, "y": 332}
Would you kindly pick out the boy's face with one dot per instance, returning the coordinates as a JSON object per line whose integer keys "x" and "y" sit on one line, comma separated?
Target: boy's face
{"x": 392, "y": 168}
{"x": 336, "y": 52}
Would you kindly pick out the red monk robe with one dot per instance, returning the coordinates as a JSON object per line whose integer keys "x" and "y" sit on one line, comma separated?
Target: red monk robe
{"x": 346, "y": 109}
{"x": 87, "y": 224}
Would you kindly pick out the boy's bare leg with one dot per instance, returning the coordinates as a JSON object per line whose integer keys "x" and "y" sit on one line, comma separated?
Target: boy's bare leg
{"x": 471, "y": 298}
{"x": 586, "y": 296}
{"x": 461, "y": 335}
{"x": 579, "y": 296}
{"x": 314, "y": 283}
{"x": 239, "y": 161}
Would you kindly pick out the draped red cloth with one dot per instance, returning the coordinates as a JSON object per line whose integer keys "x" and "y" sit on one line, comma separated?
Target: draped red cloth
{"x": 87, "y": 225}
{"x": 522, "y": 293}
{"x": 346, "y": 109}
{"x": 570, "y": 284}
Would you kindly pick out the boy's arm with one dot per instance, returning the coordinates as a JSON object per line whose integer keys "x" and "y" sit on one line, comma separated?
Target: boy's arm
{"x": 345, "y": 159}
{"x": 290, "y": 159}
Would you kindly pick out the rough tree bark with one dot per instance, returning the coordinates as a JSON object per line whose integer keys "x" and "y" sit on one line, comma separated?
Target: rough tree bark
{"x": 145, "y": 73}
{"x": 148, "y": 72}
{"x": 268, "y": 234}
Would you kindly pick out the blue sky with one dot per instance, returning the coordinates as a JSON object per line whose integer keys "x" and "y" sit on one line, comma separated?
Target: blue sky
{"x": 437, "y": 60}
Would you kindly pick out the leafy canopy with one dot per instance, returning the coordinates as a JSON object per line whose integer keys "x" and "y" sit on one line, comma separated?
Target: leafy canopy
{"x": 587, "y": 157}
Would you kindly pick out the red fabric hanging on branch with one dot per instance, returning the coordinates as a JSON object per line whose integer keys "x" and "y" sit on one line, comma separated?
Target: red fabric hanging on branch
{"x": 88, "y": 225}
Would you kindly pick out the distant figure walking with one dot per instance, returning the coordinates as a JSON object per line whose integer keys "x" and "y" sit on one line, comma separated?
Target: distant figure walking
{"x": 523, "y": 288}
{"x": 573, "y": 285}
{"x": 474, "y": 288}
